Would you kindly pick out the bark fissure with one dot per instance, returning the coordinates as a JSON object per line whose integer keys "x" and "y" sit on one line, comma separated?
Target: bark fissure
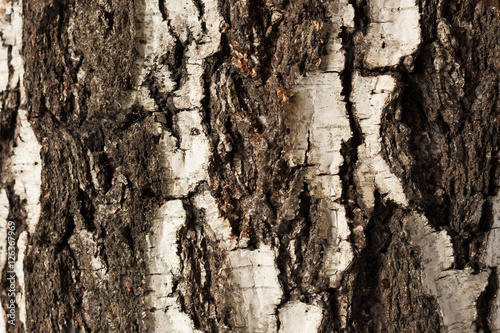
{"x": 350, "y": 148}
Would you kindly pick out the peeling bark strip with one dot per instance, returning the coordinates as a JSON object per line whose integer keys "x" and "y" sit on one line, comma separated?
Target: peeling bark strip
{"x": 251, "y": 166}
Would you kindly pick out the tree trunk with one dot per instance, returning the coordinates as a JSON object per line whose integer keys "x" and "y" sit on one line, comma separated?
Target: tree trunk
{"x": 250, "y": 166}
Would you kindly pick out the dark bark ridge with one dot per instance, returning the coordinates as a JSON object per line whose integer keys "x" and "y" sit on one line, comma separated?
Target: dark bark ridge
{"x": 100, "y": 177}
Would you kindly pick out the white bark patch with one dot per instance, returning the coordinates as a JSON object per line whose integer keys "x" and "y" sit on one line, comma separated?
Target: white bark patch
{"x": 185, "y": 19}
{"x": 26, "y": 168}
{"x": 4, "y": 66}
{"x": 164, "y": 268}
{"x": 25, "y": 163}
{"x": 19, "y": 269}
{"x": 369, "y": 96}
{"x": 12, "y": 36}
{"x": 298, "y": 317}
{"x": 394, "y": 32}
{"x": 4, "y": 214}
{"x": 255, "y": 289}
{"x": 220, "y": 226}
{"x": 455, "y": 290}
{"x": 491, "y": 258}
{"x": 154, "y": 42}
{"x": 186, "y": 154}
{"x": 342, "y": 15}
{"x": 190, "y": 94}
{"x": 184, "y": 150}
{"x": 185, "y": 160}
{"x": 320, "y": 124}
{"x": 492, "y": 250}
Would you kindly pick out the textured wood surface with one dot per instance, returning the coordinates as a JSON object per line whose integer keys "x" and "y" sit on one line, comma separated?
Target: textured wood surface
{"x": 251, "y": 166}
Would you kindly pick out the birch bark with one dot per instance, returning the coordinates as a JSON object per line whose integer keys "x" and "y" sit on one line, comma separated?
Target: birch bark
{"x": 250, "y": 166}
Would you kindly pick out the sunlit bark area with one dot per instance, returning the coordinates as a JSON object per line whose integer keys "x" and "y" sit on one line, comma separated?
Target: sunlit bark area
{"x": 249, "y": 166}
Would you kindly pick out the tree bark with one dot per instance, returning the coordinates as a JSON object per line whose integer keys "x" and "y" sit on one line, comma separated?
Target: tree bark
{"x": 250, "y": 166}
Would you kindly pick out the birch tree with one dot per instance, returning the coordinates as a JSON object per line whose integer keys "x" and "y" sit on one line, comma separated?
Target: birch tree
{"x": 249, "y": 166}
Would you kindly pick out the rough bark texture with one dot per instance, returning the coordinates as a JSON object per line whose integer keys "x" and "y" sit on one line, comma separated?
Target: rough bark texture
{"x": 251, "y": 166}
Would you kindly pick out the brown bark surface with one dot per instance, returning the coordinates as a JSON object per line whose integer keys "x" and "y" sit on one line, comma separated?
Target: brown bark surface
{"x": 102, "y": 173}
